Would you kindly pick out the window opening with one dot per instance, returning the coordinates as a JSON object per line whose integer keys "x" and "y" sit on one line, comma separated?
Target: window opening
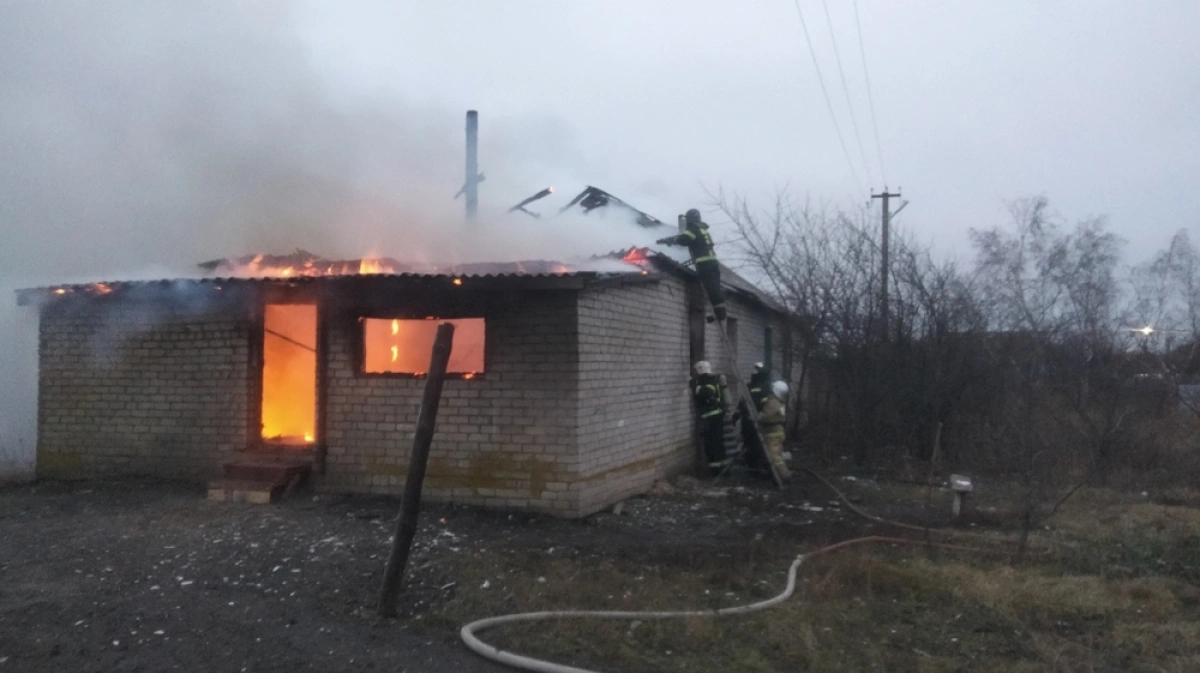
{"x": 402, "y": 347}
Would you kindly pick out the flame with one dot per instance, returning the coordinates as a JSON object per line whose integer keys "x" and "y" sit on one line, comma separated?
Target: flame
{"x": 458, "y": 281}
{"x": 289, "y": 393}
{"x": 561, "y": 268}
{"x": 373, "y": 266}
{"x": 103, "y": 288}
{"x": 402, "y": 346}
{"x": 258, "y": 266}
{"x": 60, "y": 291}
{"x": 635, "y": 256}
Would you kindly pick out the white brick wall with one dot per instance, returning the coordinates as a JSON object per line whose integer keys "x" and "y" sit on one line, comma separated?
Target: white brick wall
{"x": 635, "y": 420}
{"x": 584, "y": 401}
{"x": 504, "y": 439}
{"x": 140, "y": 388}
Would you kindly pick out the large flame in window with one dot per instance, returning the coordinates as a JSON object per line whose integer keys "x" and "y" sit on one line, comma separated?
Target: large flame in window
{"x": 394, "y": 346}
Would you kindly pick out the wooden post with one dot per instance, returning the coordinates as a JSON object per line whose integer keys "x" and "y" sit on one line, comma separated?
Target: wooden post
{"x": 410, "y": 506}
{"x": 933, "y": 457}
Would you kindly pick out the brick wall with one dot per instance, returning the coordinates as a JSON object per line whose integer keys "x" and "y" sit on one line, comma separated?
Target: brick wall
{"x": 131, "y": 387}
{"x": 752, "y": 321}
{"x": 635, "y": 421}
{"x": 506, "y": 439}
{"x": 583, "y": 403}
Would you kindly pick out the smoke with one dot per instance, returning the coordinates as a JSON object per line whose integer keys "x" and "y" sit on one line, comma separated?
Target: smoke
{"x": 141, "y": 138}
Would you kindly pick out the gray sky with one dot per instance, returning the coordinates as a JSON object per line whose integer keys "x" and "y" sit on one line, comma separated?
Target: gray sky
{"x": 141, "y": 137}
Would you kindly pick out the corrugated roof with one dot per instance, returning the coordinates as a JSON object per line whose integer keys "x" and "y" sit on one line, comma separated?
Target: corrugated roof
{"x": 487, "y": 273}
{"x": 730, "y": 279}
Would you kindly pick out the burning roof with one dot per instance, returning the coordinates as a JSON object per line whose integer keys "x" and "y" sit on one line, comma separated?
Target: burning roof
{"x": 304, "y": 264}
{"x": 305, "y": 267}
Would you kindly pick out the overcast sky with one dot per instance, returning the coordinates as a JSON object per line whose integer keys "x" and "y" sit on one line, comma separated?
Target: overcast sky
{"x": 141, "y": 137}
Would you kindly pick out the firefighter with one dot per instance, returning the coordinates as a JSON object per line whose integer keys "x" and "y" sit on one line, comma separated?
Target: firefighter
{"x": 760, "y": 389}
{"x": 772, "y": 421}
{"x": 704, "y": 257}
{"x": 708, "y": 391}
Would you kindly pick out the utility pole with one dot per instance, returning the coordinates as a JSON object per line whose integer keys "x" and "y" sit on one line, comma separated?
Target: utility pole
{"x": 883, "y": 247}
{"x": 471, "y": 186}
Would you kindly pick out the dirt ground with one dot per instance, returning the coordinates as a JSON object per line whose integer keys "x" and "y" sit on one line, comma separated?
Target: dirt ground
{"x": 150, "y": 576}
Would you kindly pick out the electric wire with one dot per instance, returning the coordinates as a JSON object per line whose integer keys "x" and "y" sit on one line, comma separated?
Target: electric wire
{"x": 870, "y": 98}
{"x": 837, "y": 55}
{"x": 825, "y": 92}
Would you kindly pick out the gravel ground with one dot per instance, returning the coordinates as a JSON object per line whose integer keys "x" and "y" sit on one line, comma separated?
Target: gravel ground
{"x": 150, "y": 576}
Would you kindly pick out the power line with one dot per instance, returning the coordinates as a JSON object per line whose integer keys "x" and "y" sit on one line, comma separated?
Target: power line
{"x": 846, "y": 89}
{"x": 870, "y": 99}
{"x": 825, "y": 92}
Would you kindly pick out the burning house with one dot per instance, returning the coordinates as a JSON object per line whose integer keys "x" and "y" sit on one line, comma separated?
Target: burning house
{"x": 567, "y": 390}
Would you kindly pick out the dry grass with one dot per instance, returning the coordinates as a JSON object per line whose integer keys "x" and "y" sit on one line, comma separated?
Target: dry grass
{"x": 1117, "y": 594}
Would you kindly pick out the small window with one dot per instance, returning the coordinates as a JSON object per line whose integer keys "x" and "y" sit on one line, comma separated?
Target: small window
{"x": 403, "y": 347}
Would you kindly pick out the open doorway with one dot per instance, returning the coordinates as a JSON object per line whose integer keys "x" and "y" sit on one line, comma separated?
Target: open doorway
{"x": 289, "y": 383}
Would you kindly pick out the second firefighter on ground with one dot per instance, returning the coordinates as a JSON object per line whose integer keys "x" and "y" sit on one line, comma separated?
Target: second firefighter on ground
{"x": 708, "y": 392}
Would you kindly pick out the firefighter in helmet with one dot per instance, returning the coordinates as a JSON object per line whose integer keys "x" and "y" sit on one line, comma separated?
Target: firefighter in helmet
{"x": 708, "y": 392}
{"x": 760, "y": 385}
{"x": 772, "y": 421}
{"x": 704, "y": 257}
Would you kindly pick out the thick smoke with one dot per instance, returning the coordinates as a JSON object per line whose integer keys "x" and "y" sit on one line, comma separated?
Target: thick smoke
{"x": 141, "y": 138}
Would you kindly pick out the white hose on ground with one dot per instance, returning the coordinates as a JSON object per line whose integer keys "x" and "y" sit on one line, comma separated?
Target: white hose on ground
{"x": 541, "y": 666}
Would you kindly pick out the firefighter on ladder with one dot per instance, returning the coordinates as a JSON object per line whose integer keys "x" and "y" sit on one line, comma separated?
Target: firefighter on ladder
{"x": 704, "y": 257}
{"x": 708, "y": 393}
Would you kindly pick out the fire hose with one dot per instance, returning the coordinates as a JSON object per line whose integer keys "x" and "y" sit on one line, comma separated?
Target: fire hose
{"x": 493, "y": 653}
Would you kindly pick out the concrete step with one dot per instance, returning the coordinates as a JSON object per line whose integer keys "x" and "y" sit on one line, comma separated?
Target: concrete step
{"x": 278, "y": 468}
{"x": 251, "y": 492}
{"x": 268, "y": 472}
{"x": 261, "y": 477}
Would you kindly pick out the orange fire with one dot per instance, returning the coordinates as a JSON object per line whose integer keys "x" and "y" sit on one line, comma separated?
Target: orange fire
{"x": 289, "y": 394}
{"x": 373, "y": 266}
{"x": 394, "y": 346}
{"x": 635, "y": 256}
{"x": 303, "y": 265}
